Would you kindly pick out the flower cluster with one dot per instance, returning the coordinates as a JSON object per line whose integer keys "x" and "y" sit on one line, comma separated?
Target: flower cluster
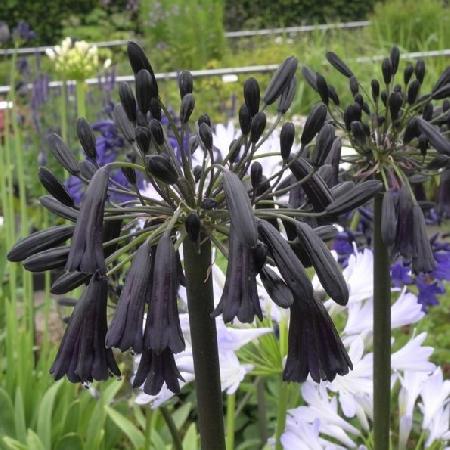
{"x": 76, "y": 60}
{"x": 397, "y": 133}
{"x": 195, "y": 199}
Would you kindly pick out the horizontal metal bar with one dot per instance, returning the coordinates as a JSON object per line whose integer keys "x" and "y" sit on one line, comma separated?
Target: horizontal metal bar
{"x": 298, "y": 29}
{"x": 266, "y": 68}
{"x": 228, "y": 34}
{"x": 44, "y": 48}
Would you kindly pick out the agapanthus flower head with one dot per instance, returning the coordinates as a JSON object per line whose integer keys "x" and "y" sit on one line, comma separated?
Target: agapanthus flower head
{"x": 196, "y": 194}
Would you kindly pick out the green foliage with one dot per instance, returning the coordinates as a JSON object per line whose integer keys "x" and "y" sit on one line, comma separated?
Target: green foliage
{"x": 265, "y": 13}
{"x": 183, "y": 33}
{"x": 412, "y": 25}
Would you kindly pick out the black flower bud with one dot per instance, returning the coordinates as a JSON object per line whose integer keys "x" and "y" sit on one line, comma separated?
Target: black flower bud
{"x": 338, "y": 64}
{"x": 407, "y": 73}
{"x": 395, "y": 59}
{"x": 245, "y": 119}
{"x": 375, "y": 85}
{"x": 287, "y": 135}
{"x": 256, "y": 173}
{"x": 427, "y": 113}
{"x": 395, "y": 103}
{"x": 257, "y": 126}
{"x": 419, "y": 70}
{"x": 423, "y": 257}
{"x": 280, "y": 79}
{"x": 324, "y": 141}
{"x": 155, "y": 108}
{"x": 322, "y": 87}
{"x": 62, "y": 154}
{"x": 197, "y": 172}
{"x": 143, "y": 136}
{"x": 123, "y": 124}
{"x": 56, "y": 207}
{"x": 389, "y": 217}
{"x": 128, "y": 101}
{"x": 206, "y": 136}
{"x": 50, "y": 259}
{"x": 144, "y": 90}
{"x": 87, "y": 138}
{"x": 354, "y": 85}
{"x": 386, "y": 70}
{"x": 333, "y": 95}
{"x": 252, "y": 95}
{"x": 157, "y": 131}
{"x": 437, "y": 140}
{"x": 204, "y": 118}
{"x": 185, "y": 83}
{"x": 413, "y": 91}
{"x": 161, "y": 167}
{"x": 287, "y": 96}
{"x": 314, "y": 123}
{"x": 54, "y": 187}
{"x": 186, "y": 108}
{"x": 39, "y": 241}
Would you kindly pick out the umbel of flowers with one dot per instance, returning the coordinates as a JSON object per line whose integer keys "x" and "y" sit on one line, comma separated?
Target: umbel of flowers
{"x": 398, "y": 133}
{"x": 230, "y": 204}
{"x": 76, "y": 60}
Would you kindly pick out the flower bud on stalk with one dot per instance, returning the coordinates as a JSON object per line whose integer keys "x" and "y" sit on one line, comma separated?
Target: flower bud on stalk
{"x": 389, "y": 217}
{"x": 123, "y": 124}
{"x": 63, "y": 155}
{"x": 287, "y": 135}
{"x": 314, "y": 123}
{"x": 395, "y": 59}
{"x": 252, "y": 95}
{"x": 87, "y": 138}
{"x": 407, "y": 73}
{"x": 143, "y": 136}
{"x": 162, "y": 168}
{"x": 419, "y": 70}
{"x": 324, "y": 141}
{"x": 193, "y": 226}
{"x": 58, "y": 208}
{"x": 413, "y": 91}
{"x": 386, "y": 70}
{"x": 54, "y": 187}
{"x": 257, "y": 127}
{"x": 157, "y": 132}
{"x": 187, "y": 107}
{"x": 128, "y": 101}
{"x": 245, "y": 120}
{"x": 375, "y": 85}
{"x": 144, "y": 90}
{"x": 322, "y": 88}
{"x": 40, "y": 241}
{"x": 338, "y": 64}
{"x": 354, "y": 86}
{"x": 185, "y": 83}
{"x": 280, "y": 79}
{"x": 206, "y": 136}
{"x": 287, "y": 96}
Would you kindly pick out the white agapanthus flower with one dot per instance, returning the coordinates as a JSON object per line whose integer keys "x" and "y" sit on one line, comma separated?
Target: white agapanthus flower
{"x": 77, "y": 60}
{"x": 329, "y": 404}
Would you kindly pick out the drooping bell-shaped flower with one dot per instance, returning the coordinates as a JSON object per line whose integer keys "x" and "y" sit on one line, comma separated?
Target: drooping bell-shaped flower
{"x": 163, "y": 321}
{"x": 86, "y": 252}
{"x": 82, "y": 355}
{"x": 240, "y": 296}
{"x": 126, "y": 328}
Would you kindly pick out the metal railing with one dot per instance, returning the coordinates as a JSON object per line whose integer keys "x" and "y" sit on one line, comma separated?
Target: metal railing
{"x": 228, "y": 34}
{"x": 266, "y": 68}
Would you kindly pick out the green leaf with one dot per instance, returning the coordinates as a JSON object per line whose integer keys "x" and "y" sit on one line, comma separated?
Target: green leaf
{"x": 19, "y": 416}
{"x": 180, "y": 415}
{"x": 70, "y": 441}
{"x": 133, "y": 433}
{"x": 190, "y": 441}
{"x": 44, "y": 420}
{"x": 13, "y": 444}
{"x": 33, "y": 441}
{"x": 6, "y": 414}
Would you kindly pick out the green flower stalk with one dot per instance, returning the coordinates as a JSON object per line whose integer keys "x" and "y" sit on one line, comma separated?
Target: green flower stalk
{"x": 197, "y": 203}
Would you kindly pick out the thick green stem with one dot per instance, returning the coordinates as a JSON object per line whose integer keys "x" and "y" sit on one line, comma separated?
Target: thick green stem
{"x": 283, "y": 398}
{"x": 204, "y": 344}
{"x": 381, "y": 335}
{"x": 81, "y": 98}
{"x": 231, "y": 409}
{"x": 63, "y": 112}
